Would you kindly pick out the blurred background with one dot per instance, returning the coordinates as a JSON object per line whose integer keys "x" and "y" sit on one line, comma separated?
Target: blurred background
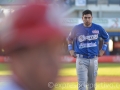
{"x": 105, "y": 13}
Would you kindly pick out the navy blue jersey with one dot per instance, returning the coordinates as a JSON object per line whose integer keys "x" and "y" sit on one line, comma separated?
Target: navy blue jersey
{"x": 86, "y": 39}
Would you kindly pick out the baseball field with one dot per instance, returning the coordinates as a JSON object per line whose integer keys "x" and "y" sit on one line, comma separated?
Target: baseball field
{"x": 108, "y": 77}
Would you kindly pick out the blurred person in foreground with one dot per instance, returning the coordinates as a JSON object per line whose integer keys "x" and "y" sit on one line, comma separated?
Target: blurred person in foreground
{"x": 33, "y": 43}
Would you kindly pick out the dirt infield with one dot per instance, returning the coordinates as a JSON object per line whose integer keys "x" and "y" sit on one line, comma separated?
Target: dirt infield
{"x": 99, "y": 79}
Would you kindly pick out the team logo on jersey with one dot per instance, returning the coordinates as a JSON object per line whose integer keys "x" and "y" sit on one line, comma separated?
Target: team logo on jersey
{"x": 95, "y": 31}
{"x": 81, "y": 38}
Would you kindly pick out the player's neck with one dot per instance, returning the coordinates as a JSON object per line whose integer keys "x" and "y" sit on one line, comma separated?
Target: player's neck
{"x": 87, "y": 25}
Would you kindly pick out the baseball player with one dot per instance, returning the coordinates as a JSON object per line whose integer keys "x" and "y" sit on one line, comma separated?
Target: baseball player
{"x": 33, "y": 44}
{"x": 85, "y": 39}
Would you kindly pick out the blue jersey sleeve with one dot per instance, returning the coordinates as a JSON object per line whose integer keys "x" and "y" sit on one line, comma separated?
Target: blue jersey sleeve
{"x": 104, "y": 35}
{"x": 71, "y": 35}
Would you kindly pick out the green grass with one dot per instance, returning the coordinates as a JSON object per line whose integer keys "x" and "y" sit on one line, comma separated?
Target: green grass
{"x": 4, "y": 70}
{"x": 3, "y": 73}
{"x": 74, "y": 86}
{"x": 102, "y": 65}
{"x": 105, "y": 69}
{"x": 3, "y": 66}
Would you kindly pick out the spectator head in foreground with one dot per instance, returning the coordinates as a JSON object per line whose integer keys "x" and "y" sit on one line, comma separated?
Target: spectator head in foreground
{"x": 33, "y": 43}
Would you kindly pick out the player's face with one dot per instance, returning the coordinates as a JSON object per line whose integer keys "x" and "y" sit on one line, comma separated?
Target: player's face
{"x": 87, "y": 19}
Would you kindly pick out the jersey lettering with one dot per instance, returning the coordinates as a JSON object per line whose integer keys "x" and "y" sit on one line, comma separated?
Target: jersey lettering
{"x": 87, "y": 45}
{"x": 82, "y": 38}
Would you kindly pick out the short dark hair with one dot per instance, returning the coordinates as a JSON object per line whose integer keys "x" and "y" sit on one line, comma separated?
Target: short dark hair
{"x": 87, "y": 12}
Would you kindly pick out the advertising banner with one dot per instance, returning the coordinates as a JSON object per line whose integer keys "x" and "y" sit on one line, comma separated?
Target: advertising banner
{"x": 104, "y": 22}
{"x": 103, "y": 59}
{"x": 80, "y": 2}
{"x": 117, "y": 45}
{"x": 69, "y": 59}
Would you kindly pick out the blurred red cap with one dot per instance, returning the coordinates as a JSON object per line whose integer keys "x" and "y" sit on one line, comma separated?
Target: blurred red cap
{"x": 29, "y": 26}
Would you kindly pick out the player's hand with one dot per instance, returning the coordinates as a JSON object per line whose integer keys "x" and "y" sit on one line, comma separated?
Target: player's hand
{"x": 72, "y": 53}
{"x": 101, "y": 53}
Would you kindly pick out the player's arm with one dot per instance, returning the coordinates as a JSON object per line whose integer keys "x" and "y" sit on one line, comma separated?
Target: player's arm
{"x": 105, "y": 37}
{"x": 70, "y": 39}
{"x": 103, "y": 49}
{"x": 70, "y": 48}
